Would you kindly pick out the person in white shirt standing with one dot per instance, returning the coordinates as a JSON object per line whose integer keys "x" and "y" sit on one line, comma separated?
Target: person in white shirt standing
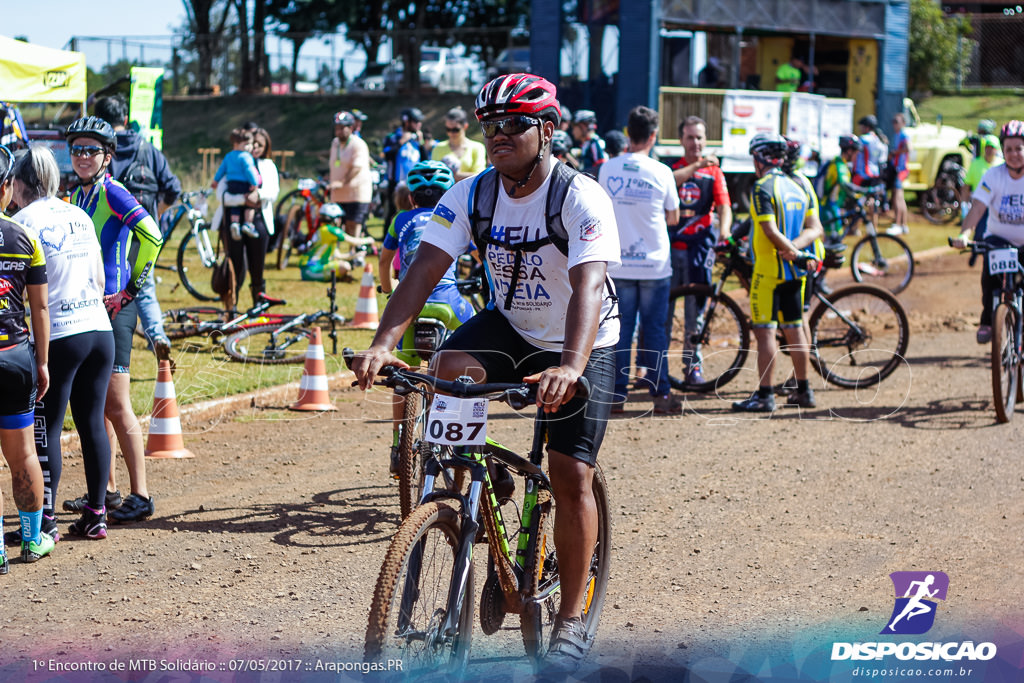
{"x": 351, "y": 184}
{"x": 643, "y": 193}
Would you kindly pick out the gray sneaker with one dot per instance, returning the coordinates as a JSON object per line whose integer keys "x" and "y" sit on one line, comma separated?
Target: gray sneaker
{"x": 755, "y": 404}
{"x": 569, "y": 645}
{"x": 667, "y": 405}
{"x": 804, "y": 399}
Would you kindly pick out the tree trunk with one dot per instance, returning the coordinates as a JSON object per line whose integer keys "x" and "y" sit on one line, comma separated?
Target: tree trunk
{"x": 297, "y": 40}
{"x": 259, "y": 59}
{"x": 247, "y": 83}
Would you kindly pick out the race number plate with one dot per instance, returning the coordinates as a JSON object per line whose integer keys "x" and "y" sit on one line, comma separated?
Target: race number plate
{"x": 457, "y": 421}
{"x": 1002, "y": 261}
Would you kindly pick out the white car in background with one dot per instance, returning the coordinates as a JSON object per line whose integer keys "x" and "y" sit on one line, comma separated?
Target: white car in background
{"x": 442, "y": 71}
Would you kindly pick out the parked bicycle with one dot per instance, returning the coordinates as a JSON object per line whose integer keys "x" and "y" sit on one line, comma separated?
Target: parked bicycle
{"x": 1007, "y": 332}
{"x": 211, "y": 321}
{"x": 197, "y": 253}
{"x": 422, "y": 609}
{"x": 880, "y": 259}
{"x": 285, "y": 340}
{"x": 298, "y": 217}
{"x": 859, "y": 333}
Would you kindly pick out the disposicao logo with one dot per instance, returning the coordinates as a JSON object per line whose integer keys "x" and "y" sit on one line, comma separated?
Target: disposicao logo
{"x": 917, "y": 596}
{"x": 56, "y": 79}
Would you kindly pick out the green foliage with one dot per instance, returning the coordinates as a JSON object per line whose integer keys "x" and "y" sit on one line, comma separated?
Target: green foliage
{"x": 934, "y": 59}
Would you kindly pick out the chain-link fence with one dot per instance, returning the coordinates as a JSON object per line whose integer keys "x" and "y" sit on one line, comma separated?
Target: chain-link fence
{"x": 994, "y": 50}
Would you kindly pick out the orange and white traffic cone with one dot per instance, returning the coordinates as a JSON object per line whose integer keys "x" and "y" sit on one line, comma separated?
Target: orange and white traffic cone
{"x": 165, "y": 439}
{"x": 313, "y": 385}
{"x": 366, "y": 305}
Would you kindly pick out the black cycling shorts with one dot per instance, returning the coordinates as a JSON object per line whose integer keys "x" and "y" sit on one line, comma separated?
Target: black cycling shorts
{"x": 576, "y": 430}
{"x": 357, "y": 212}
{"x": 18, "y": 379}
{"x": 124, "y": 329}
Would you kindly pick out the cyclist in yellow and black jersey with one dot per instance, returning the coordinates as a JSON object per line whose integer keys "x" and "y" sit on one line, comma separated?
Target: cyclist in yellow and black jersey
{"x": 779, "y": 233}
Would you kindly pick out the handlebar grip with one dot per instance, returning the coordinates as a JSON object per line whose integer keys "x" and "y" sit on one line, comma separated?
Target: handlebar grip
{"x": 348, "y": 354}
{"x": 583, "y": 387}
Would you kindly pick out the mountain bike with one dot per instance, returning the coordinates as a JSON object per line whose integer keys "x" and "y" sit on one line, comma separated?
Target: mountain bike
{"x": 285, "y": 340}
{"x": 429, "y": 332}
{"x": 422, "y": 609}
{"x": 1007, "y": 332}
{"x": 298, "y": 217}
{"x": 859, "y": 333}
{"x": 196, "y": 321}
{"x": 197, "y": 254}
{"x": 876, "y": 258}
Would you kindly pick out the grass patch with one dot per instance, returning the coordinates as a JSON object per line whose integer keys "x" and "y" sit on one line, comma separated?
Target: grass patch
{"x": 964, "y": 111}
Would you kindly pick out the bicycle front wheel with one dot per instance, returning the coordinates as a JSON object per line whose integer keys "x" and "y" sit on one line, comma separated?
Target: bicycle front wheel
{"x": 883, "y": 260}
{"x": 940, "y": 203}
{"x": 1005, "y": 370}
{"x": 410, "y": 602}
{"x": 410, "y": 466}
{"x": 541, "y": 572}
{"x": 265, "y": 344}
{"x": 861, "y": 339}
{"x": 722, "y": 337}
{"x": 196, "y": 258}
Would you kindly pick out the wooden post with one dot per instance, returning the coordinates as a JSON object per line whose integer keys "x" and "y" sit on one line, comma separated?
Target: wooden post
{"x": 281, "y": 157}
{"x": 210, "y": 155}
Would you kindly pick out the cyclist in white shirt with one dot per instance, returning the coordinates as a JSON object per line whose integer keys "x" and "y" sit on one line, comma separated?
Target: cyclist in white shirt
{"x": 551, "y": 318}
{"x": 1001, "y": 193}
{"x": 81, "y": 340}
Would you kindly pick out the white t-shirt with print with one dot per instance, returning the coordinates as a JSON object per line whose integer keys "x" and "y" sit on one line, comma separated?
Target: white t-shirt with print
{"x": 642, "y": 190}
{"x": 1004, "y": 198}
{"x": 73, "y": 266}
{"x": 540, "y": 304}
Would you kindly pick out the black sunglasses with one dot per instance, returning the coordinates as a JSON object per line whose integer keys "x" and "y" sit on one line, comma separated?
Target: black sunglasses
{"x": 510, "y": 125}
{"x": 453, "y": 130}
{"x": 85, "y": 150}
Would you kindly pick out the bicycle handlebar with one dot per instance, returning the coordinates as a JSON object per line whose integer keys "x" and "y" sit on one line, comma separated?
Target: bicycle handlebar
{"x": 517, "y": 395}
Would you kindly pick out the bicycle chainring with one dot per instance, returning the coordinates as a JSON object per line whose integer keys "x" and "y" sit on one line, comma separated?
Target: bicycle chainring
{"x": 492, "y": 605}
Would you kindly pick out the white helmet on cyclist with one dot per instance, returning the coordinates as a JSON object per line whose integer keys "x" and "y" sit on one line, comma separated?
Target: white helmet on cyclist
{"x": 331, "y": 212}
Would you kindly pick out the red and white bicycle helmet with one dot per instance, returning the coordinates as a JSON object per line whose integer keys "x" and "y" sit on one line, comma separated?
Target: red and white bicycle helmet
{"x": 519, "y": 94}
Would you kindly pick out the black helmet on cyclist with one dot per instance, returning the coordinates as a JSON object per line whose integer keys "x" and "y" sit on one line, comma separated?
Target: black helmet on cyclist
{"x": 869, "y": 122}
{"x": 986, "y": 127}
{"x": 92, "y": 127}
{"x": 344, "y": 118}
{"x": 331, "y": 212}
{"x": 6, "y": 163}
{"x": 768, "y": 148}
{"x": 519, "y": 94}
{"x": 428, "y": 180}
{"x": 585, "y": 117}
{"x": 561, "y": 143}
{"x": 850, "y": 142}
{"x": 411, "y": 114}
{"x": 792, "y": 155}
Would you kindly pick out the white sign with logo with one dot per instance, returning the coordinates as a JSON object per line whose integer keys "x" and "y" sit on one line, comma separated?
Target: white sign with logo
{"x": 457, "y": 421}
{"x": 745, "y": 113}
{"x": 836, "y": 120}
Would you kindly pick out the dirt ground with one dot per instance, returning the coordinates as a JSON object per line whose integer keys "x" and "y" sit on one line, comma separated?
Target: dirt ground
{"x": 739, "y": 544}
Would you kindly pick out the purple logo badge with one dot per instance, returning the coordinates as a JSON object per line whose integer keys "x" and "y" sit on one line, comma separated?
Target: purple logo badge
{"x": 917, "y": 594}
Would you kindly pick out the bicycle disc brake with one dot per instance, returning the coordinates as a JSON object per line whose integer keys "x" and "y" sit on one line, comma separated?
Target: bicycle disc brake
{"x": 492, "y": 605}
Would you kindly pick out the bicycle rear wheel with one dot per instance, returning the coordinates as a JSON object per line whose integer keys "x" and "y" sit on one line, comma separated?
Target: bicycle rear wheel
{"x": 883, "y": 260}
{"x": 260, "y": 344}
{"x": 410, "y": 601}
{"x": 1005, "y": 370}
{"x": 188, "y": 322}
{"x": 724, "y": 337}
{"x": 863, "y": 340}
{"x": 541, "y": 572}
{"x": 940, "y": 204}
{"x": 196, "y": 258}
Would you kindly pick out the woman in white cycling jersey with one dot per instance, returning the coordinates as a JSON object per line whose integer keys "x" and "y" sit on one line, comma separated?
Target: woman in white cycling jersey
{"x": 1001, "y": 193}
{"x": 81, "y": 339}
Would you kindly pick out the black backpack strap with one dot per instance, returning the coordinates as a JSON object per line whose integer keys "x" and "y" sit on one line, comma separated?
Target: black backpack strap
{"x": 561, "y": 178}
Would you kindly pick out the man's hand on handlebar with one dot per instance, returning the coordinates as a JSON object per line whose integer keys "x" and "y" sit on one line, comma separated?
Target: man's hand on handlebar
{"x": 555, "y": 387}
{"x": 959, "y": 242}
{"x": 366, "y": 364}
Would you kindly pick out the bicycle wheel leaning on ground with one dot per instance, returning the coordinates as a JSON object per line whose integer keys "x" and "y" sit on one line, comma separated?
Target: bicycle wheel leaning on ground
{"x": 196, "y": 259}
{"x": 264, "y": 344}
{"x": 1005, "y": 365}
{"x": 863, "y": 340}
{"x": 541, "y": 572}
{"x": 187, "y": 322}
{"x": 883, "y": 260}
{"x": 725, "y": 337}
{"x": 410, "y": 601}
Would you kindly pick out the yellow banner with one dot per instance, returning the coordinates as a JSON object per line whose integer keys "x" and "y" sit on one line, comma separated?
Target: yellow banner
{"x": 33, "y": 73}
{"x": 146, "y": 103}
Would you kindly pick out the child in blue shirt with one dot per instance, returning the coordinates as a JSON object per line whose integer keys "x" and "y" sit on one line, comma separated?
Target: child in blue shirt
{"x": 241, "y": 196}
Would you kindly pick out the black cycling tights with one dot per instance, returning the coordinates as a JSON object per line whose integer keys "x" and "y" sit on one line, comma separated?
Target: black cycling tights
{"x": 80, "y": 367}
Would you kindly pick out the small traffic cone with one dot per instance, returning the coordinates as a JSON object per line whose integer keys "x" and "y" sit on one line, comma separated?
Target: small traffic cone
{"x": 313, "y": 385}
{"x": 165, "y": 439}
{"x": 366, "y": 305}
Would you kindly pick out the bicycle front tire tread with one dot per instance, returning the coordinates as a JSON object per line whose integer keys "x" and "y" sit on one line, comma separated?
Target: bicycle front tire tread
{"x": 1004, "y": 365}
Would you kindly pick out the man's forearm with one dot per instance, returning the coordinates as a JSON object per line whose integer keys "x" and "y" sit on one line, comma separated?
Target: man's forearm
{"x": 583, "y": 316}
